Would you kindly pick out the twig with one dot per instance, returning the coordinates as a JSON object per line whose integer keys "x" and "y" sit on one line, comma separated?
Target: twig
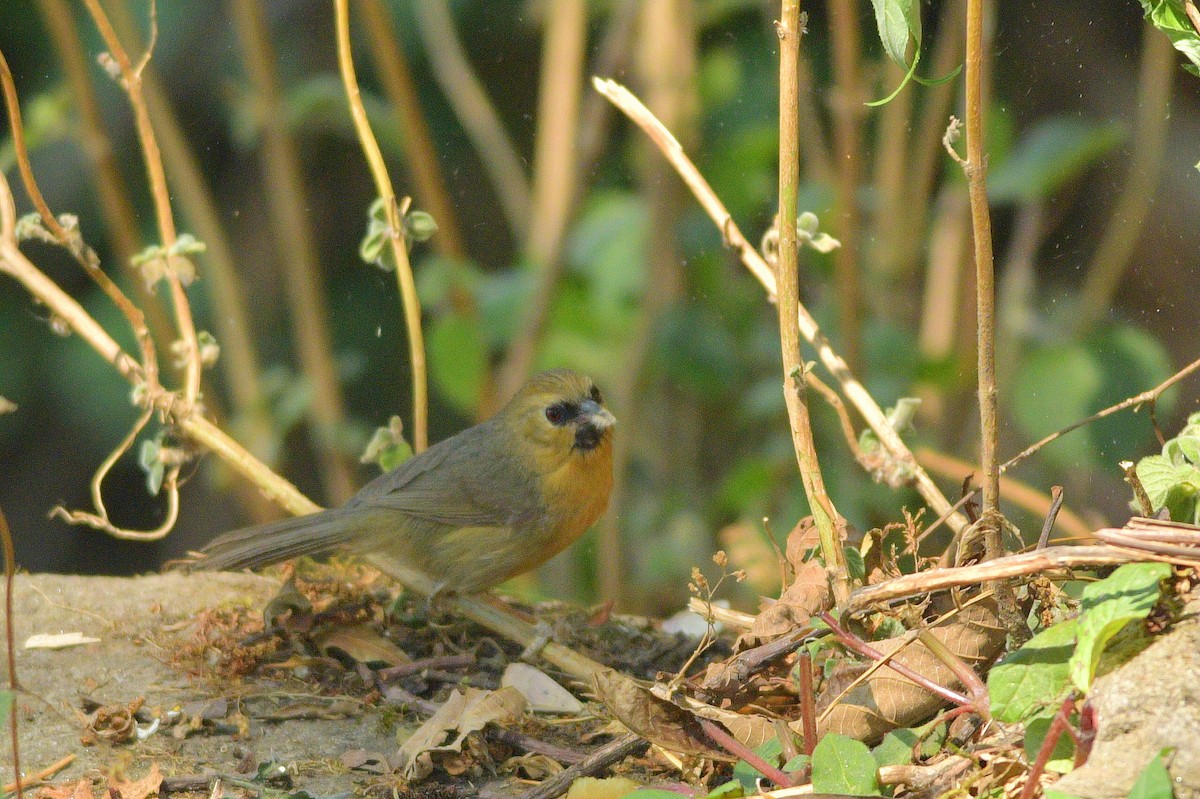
{"x": 1150, "y": 396}
{"x": 399, "y": 246}
{"x": 470, "y": 103}
{"x": 808, "y": 697}
{"x": 1064, "y": 558}
{"x": 1012, "y": 490}
{"x": 239, "y": 360}
{"x": 1056, "y": 500}
{"x": 1128, "y": 217}
{"x": 441, "y": 662}
{"x": 396, "y": 78}
{"x": 528, "y": 743}
{"x": 853, "y": 642}
{"x": 612, "y": 752}
{"x": 115, "y": 205}
{"x": 739, "y": 750}
{"x": 131, "y": 80}
{"x": 847, "y": 108}
{"x": 750, "y": 257}
{"x": 10, "y": 640}
{"x": 39, "y": 776}
{"x": 829, "y": 523}
{"x": 985, "y": 285}
{"x": 964, "y": 673}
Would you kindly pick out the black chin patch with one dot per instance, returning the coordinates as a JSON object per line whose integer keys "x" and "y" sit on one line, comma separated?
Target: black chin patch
{"x": 587, "y": 437}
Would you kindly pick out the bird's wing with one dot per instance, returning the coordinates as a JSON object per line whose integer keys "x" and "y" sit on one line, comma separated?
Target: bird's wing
{"x": 462, "y": 481}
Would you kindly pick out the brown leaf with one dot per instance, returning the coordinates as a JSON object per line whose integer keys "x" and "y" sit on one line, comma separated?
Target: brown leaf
{"x": 462, "y": 713}
{"x": 802, "y": 539}
{"x": 364, "y": 644}
{"x": 805, "y": 597}
{"x": 361, "y": 759}
{"x": 887, "y": 701}
{"x": 657, "y": 720}
{"x": 121, "y": 788}
{"x": 70, "y": 790}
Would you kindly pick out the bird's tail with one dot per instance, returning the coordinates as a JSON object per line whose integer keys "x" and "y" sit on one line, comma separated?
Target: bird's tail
{"x": 265, "y": 544}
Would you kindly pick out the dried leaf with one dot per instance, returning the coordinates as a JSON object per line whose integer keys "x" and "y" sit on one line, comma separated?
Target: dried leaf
{"x": 58, "y": 640}
{"x": 361, "y": 759}
{"x": 887, "y": 701}
{"x": 364, "y": 644}
{"x": 801, "y": 540}
{"x": 806, "y": 596}
{"x": 120, "y": 788}
{"x": 81, "y": 789}
{"x": 462, "y": 713}
{"x": 657, "y": 720}
{"x": 543, "y": 693}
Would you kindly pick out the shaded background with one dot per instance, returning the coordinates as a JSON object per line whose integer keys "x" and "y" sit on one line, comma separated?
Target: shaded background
{"x": 646, "y": 298}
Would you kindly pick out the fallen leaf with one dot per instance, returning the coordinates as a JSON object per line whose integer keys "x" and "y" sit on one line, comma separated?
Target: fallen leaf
{"x": 801, "y": 540}
{"x": 364, "y": 644}
{"x": 460, "y": 715}
{"x": 543, "y": 694}
{"x": 120, "y": 788}
{"x": 363, "y": 760}
{"x": 657, "y": 720}
{"x": 58, "y": 640}
{"x": 71, "y": 790}
{"x": 807, "y": 595}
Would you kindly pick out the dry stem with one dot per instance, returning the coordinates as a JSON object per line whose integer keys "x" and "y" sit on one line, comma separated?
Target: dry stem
{"x": 383, "y": 184}
{"x": 828, "y": 521}
{"x": 750, "y": 257}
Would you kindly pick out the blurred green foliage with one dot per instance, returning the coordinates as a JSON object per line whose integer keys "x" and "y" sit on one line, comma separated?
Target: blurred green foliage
{"x": 709, "y": 442}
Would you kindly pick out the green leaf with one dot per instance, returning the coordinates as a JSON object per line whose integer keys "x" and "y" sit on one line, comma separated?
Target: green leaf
{"x": 387, "y": 446}
{"x": 1169, "y": 486}
{"x": 1032, "y": 681}
{"x": 458, "y": 359}
{"x": 1170, "y": 17}
{"x": 897, "y": 21}
{"x": 843, "y": 765}
{"x": 608, "y": 247}
{"x": 151, "y": 461}
{"x": 1155, "y": 781}
{"x": 1054, "y": 152}
{"x": 1127, "y": 595}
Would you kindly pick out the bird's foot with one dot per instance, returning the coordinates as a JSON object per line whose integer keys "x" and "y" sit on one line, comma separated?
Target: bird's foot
{"x": 438, "y": 603}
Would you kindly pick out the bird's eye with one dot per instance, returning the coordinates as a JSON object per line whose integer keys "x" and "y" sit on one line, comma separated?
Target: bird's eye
{"x": 558, "y": 413}
{"x": 595, "y": 395}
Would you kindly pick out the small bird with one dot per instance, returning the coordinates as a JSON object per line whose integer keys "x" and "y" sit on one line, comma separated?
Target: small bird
{"x": 497, "y": 500}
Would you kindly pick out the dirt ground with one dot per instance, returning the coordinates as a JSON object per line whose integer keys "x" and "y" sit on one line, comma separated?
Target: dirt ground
{"x": 147, "y": 631}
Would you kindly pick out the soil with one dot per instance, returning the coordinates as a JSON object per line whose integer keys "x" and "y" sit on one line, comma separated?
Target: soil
{"x": 167, "y": 642}
{"x": 192, "y": 642}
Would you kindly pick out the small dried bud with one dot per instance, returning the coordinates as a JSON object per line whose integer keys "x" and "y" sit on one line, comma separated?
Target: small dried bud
{"x": 109, "y": 65}
{"x": 720, "y": 558}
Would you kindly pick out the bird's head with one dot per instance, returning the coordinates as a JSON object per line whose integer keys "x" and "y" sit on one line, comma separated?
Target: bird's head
{"x": 561, "y": 414}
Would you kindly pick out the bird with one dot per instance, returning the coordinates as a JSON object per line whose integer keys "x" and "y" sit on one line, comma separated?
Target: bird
{"x": 496, "y": 500}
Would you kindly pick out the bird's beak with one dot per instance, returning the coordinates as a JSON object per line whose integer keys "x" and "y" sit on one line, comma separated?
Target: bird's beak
{"x": 596, "y": 415}
{"x": 591, "y": 423}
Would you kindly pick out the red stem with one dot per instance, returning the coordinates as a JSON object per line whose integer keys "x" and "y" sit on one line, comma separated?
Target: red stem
{"x": 852, "y": 641}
